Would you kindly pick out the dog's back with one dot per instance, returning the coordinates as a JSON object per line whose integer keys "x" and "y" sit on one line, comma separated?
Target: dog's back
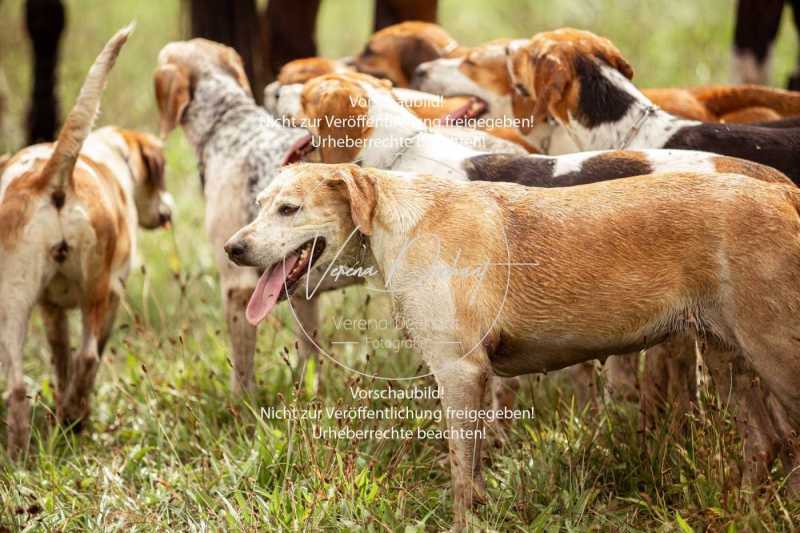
{"x": 55, "y": 203}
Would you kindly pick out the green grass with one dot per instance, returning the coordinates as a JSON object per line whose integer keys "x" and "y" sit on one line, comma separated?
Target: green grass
{"x": 169, "y": 448}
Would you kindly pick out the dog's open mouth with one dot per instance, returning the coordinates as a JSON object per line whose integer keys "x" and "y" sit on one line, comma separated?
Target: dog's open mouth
{"x": 279, "y": 280}
{"x": 473, "y": 109}
{"x": 298, "y": 150}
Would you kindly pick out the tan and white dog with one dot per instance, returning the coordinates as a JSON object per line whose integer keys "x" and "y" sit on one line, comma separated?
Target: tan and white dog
{"x": 562, "y": 275}
{"x": 582, "y": 81}
{"x": 69, "y": 213}
{"x": 443, "y": 114}
{"x": 394, "y": 52}
{"x": 393, "y": 138}
{"x": 484, "y": 72}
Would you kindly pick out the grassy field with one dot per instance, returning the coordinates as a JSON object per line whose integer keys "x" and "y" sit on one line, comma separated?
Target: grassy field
{"x": 169, "y": 448}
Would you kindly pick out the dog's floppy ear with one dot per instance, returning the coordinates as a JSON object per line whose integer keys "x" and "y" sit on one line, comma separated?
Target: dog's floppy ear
{"x": 605, "y": 50}
{"x": 551, "y": 79}
{"x": 172, "y": 95}
{"x": 414, "y": 53}
{"x": 232, "y": 62}
{"x": 152, "y": 153}
{"x": 523, "y": 108}
{"x": 326, "y": 99}
{"x": 360, "y": 188}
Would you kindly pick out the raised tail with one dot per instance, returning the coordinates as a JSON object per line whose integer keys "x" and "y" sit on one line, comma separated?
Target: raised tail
{"x": 722, "y": 99}
{"x": 80, "y": 120}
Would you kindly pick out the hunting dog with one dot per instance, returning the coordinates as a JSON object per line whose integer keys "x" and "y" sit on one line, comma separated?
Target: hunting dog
{"x": 287, "y": 88}
{"x": 593, "y": 270}
{"x": 69, "y": 213}
{"x": 484, "y": 72}
{"x": 283, "y": 102}
{"x": 582, "y": 82}
{"x": 201, "y": 86}
{"x": 400, "y": 141}
{"x": 395, "y": 52}
{"x": 452, "y": 116}
{"x": 332, "y": 116}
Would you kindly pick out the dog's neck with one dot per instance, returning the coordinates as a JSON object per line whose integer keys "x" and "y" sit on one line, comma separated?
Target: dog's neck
{"x": 399, "y": 207}
{"x": 217, "y": 98}
{"x": 399, "y": 140}
{"x": 612, "y": 114}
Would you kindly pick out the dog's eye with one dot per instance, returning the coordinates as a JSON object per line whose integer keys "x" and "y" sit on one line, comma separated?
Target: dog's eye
{"x": 521, "y": 90}
{"x": 287, "y": 209}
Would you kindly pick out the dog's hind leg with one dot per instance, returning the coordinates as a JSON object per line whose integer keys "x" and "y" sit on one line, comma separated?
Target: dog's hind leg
{"x": 503, "y": 397}
{"x": 96, "y": 313}
{"x": 14, "y": 316}
{"x": 742, "y": 392}
{"x": 57, "y": 328}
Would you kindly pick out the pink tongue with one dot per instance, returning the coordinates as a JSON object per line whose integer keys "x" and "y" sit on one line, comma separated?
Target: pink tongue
{"x": 268, "y": 289}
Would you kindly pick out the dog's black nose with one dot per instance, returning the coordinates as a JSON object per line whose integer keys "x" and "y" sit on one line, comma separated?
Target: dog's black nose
{"x": 420, "y": 73}
{"x": 236, "y": 250}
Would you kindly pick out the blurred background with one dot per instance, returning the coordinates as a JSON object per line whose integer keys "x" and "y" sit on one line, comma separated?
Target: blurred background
{"x": 670, "y": 43}
{"x": 170, "y": 447}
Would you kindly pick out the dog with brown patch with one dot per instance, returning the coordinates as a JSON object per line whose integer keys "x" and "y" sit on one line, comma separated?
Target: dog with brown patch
{"x": 398, "y": 140}
{"x": 282, "y": 99}
{"x": 582, "y": 82}
{"x": 69, "y": 213}
{"x": 483, "y": 71}
{"x": 395, "y": 52}
{"x": 594, "y": 270}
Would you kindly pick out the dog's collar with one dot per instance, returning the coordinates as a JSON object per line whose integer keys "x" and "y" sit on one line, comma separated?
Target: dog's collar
{"x": 637, "y": 126}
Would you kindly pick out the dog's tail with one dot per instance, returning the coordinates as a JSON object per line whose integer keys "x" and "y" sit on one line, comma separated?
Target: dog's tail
{"x": 722, "y": 99}
{"x": 58, "y": 171}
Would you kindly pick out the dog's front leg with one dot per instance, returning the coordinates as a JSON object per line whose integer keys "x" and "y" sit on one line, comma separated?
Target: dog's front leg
{"x": 243, "y": 337}
{"x": 463, "y": 383}
{"x": 622, "y": 377}
{"x": 669, "y": 380}
{"x": 584, "y": 379}
{"x": 306, "y": 329}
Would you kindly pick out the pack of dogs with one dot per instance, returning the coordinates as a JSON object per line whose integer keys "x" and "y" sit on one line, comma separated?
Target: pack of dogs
{"x": 611, "y": 219}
